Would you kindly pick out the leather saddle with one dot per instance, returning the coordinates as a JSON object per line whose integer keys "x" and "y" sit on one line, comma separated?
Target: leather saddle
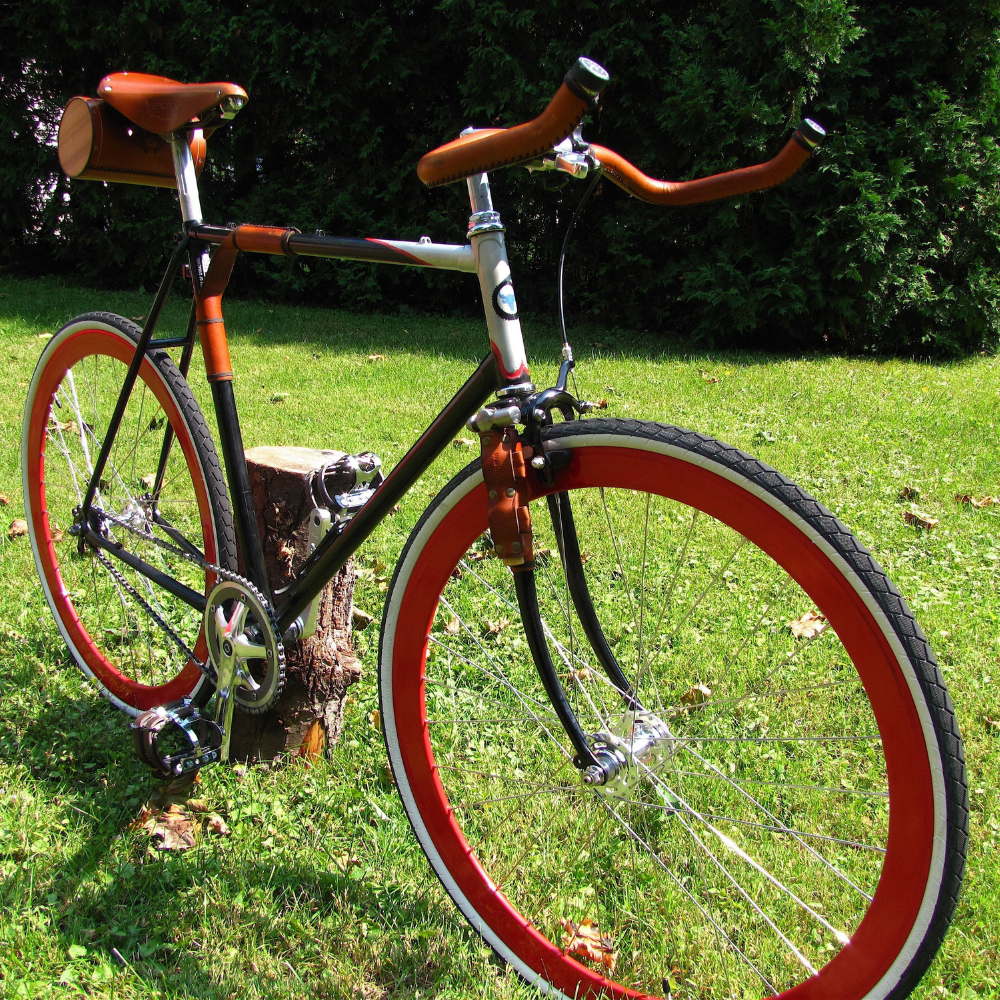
{"x": 161, "y": 105}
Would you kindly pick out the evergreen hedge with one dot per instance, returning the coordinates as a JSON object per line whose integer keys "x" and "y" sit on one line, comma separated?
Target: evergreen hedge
{"x": 886, "y": 242}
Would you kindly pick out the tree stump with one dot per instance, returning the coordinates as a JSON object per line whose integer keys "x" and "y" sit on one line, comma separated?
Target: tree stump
{"x": 318, "y": 670}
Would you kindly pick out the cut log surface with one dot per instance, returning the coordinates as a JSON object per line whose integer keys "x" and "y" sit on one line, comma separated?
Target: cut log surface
{"x": 321, "y": 668}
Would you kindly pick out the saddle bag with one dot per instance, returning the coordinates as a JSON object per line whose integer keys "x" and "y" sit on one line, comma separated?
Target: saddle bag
{"x": 97, "y": 143}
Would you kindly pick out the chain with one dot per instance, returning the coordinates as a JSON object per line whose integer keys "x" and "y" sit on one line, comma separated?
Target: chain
{"x": 206, "y": 668}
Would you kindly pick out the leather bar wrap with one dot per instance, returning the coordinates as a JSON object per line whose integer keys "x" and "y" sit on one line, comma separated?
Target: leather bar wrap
{"x": 734, "y": 182}
{"x": 505, "y": 474}
{"x": 489, "y": 149}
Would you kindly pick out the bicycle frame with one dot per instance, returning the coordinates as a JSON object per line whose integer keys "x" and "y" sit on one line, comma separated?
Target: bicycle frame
{"x": 504, "y": 370}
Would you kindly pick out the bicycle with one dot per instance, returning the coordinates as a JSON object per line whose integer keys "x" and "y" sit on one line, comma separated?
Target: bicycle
{"x": 676, "y": 775}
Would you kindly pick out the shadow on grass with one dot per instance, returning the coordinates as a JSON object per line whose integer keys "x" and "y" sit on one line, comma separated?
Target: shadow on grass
{"x": 177, "y": 920}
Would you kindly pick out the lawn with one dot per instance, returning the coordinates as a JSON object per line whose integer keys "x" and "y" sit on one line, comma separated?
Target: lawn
{"x": 321, "y": 890}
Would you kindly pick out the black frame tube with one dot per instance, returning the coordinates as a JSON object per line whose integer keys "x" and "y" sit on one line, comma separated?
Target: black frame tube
{"x": 133, "y": 370}
{"x": 244, "y": 514}
{"x": 564, "y": 526}
{"x": 161, "y": 579}
{"x": 527, "y": 603}
{"x": 336, "y": 549}
{"x": 168, "y": 434}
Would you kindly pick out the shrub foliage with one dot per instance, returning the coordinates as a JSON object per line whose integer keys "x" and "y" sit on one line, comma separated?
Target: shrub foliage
{"x": 886, "y": 242}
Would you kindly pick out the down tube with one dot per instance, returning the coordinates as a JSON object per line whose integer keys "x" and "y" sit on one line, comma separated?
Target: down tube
{"x": 335, "y": 550}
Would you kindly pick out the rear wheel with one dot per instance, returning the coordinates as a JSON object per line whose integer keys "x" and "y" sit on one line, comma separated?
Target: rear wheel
{"x": 110, "y": 615}
{"x": 796, "y": 819}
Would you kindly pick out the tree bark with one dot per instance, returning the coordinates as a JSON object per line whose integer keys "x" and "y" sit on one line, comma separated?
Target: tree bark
{"x": 308, "y": 715}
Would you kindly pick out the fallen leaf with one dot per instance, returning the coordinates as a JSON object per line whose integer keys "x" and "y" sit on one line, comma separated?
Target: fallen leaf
{"x": 360, "y": 620}
{"x": 807, "y": 626}
{"x": 396, "y": 508}
{"x": 216, "y": 824}
{"x": 376, "y": 357}
{"x": 584, "y": 940}
{"x": 707, "y": 376}
{"x": 4, "y": 499}
{"x": 463, "y": 443}
{"x": 919, "y": 520}
{"x": 375, "y": 718}
{"x": 148, "y": 480}
{"x": 18, "y": 527}
{"x": 44, "y": 336}
{"x": 58, "y": 535}
{"x": 495, "y": 628}
{"x": 280, "y": 397}
{"x": 174, "y": 827}
{"x": 909, "y": 493}
{"x": 977, "y": 502}
{"x": 453, "y": 627}
{"x": 198, "y": 805}
{"x": 343, "y": 861}
{"x": 70, "y": 426}
{"x": 696, "y": 695}
{"x": 137, "y": 319}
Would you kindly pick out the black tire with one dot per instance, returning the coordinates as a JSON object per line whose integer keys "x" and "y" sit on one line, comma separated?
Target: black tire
{"x": 467, "y": 729}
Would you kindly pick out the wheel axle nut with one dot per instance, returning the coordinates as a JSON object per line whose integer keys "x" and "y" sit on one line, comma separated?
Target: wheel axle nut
{"x": 538, "y": 462}
{"x": 594, "y": 775}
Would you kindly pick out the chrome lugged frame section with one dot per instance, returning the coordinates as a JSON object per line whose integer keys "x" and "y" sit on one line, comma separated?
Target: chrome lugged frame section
{"x": 187, "y": 178}
{"x": 485, "y": 222}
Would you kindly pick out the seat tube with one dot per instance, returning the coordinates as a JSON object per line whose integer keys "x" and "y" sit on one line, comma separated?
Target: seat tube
{"x": 486, "y": 235}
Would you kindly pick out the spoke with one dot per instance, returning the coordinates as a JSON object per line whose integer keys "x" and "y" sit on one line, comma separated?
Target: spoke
{"x": 781, "y": 784}
{"x": 655, "y": 857}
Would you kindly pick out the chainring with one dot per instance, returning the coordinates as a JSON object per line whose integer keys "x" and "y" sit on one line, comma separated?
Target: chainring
{"x": 244, "y": 643}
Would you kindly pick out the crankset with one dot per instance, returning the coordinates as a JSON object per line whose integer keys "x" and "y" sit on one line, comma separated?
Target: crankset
{"x": 246, "y": 649}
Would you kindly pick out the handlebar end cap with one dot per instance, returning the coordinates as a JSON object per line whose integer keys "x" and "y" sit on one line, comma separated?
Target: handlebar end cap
{"x": 588, "y": 76}
{"x": 812, "y": 132}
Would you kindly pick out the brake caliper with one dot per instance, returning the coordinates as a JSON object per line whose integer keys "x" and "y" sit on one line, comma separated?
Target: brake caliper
{"x": 505, "y": 474}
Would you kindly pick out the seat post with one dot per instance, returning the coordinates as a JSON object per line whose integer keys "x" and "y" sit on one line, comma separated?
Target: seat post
{"x": 187, "y": 179}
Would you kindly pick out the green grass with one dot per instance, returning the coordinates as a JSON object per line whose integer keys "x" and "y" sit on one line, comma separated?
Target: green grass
{"x": 275, "y": 910}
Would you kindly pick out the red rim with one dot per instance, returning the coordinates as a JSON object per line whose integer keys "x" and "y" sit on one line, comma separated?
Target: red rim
{"x": 78, "y": 345}
{"x": 884, "y": 930}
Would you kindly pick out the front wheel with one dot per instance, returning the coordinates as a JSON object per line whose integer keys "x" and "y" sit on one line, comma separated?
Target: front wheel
{"x": 796, "y": 819}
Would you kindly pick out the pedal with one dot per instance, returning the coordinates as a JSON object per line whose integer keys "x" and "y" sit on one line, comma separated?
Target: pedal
{"x": 176, "y": 739}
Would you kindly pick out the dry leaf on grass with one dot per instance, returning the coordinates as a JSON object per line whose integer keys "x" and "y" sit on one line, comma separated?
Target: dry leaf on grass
{"x": 4, "y": 499}
{"x": 344, "y": 861}
{"x": 18, "y": 527}
{"x": 584, "y": 940}
{"x": 360, "y": 620}
{"x": 909, "y": 493}
{"x": 453, "y": 627}
{"x": 176, "y": 820}
{"x": 696, "y": 695}
{"x": 495, "y": 628}
{"x": 918, "y": 520}
{"x": 977, "y": 503}
{"x": 69, "y": 426}
{"x": 174, "y": 827}
{"x": 148, "y": 480}
{"x": 376, "y": 357}
{"x": 375, "y": 718}
{"x": 58, "y": 535}
{"x": 463, "y": 443}
{"x": 807, "y": 626}
{"x": 708, "y": 377}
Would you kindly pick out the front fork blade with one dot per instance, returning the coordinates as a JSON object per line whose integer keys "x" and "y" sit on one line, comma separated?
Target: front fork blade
{"x": 534, "y": 632}
{"x": 576, "y": 581}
